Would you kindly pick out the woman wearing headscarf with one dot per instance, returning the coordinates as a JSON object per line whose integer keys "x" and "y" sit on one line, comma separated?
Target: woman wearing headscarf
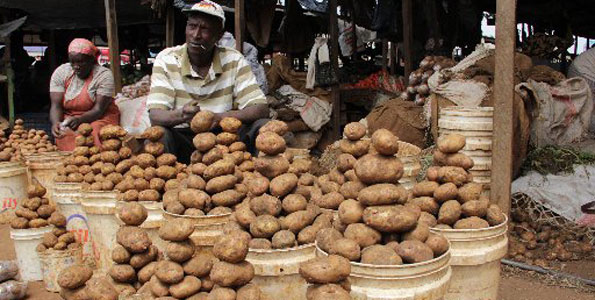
{"x": 81, "y": 91}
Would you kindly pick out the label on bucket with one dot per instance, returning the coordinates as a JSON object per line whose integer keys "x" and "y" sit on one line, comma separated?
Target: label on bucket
{"x": 77, "y": 224}
{"x": 9, "y": 203}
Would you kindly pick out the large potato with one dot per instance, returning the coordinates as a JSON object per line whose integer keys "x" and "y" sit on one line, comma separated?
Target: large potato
{"x": 426, "y": 204}
{"x": 231, "y": 248}
{"x": 371, "y": 169}
{"x": 438, "y": 244}
{"x": 204, "y": 141}
{"x": 345, "y": 162}
{"x": 169, "y": 272}
{"x": 271, "y": 166}
{"x": 471, "y": 223}
{"x": 276, "y": 126}
{"x": 445, "y": 192}
{"x": 451, "y": 143}
{"x": 351, "y": 211}
{"x": 389, "y": 218}
{"x": 231, "y": 275}
{"x": 454, "y": 160}
{"x": 270, "y": 143}
{"x": 153, "y": 133}
{"x": 176, "y": 230}
{"x": 470, "y": 191}
{"x": 200, "y": 265}
{"x": 351, "y": 189}
{"x": 475, "y": 208}
{"x": 385, "y": 142}
{"x": 294, "y": 202}
{"x": 354, "y": 131}
{"x": 380, "y": 255}
{"x": 362, "y": 234}
{"x": 132, "y": 213}
{"x": 382, "y": 194}
{"x": 331, "y": 200}
{"x": 283, "y": 184}
{"x": 297, "y": 221}
{"x": 221, "y": 183}
{"x": 326, "y": 237}
{"x": 264, "y": 226}
{"x": 283, "y": 239}
{"x": 494, "y": 215}
{"x": 330, "y": 269}
{"x": 425, "y": 189}
{"x": 134, "y": 239}
{"x": 227, "y": 198}
{"x": 456, "y": 175}
{"x": 202, "y": 121}
{"x": 258, "y": 185}
{"x": 347, "y": 248}
{"x": 122, "y": 273}
{"x": 266, "y": 205}
{"x": 212, "y": 156}
{"x": 179, "y": 252}
{"x": 355, "y": 148}
{"x": 449, "y": 213}
{"x": 414, "y": 251}
{"x": 219, "y": 168}
{"x": 421, "y": 232}
{"x": 74, "y": 276}
{"x": 189, "y": 286}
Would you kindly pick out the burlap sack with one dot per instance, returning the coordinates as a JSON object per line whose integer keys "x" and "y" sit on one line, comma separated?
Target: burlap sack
{"x": 403, "y": 118}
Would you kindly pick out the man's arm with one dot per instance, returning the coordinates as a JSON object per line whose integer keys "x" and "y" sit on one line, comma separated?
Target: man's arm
{"x": 167, "y": 118}
{"x": 247, "y": 115}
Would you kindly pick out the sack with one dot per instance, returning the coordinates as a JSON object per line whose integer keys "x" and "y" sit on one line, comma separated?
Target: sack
{"x": 403, "y": 118}
{"x": 134, "y": 116}
{"x": 9, "y": 269}
{"x": 13, "y": 290}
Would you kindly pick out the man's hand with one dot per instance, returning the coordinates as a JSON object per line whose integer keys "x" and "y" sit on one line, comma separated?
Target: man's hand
{"x": 56, "y": 131}
{"x": 72, "y": 123}
{"x": 189, "y": 110}
{"x": 216, "y": 119}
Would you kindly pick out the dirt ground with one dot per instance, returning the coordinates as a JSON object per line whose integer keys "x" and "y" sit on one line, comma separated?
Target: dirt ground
{"x": 514, "y": 285}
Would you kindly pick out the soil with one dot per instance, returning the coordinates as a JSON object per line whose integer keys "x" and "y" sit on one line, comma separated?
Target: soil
{"x": 514, "y": 284}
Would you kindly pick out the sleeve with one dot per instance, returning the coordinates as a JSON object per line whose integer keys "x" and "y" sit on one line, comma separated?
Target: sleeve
{"x": 105, "y": 83}
{"x": 162, "y": 93}
{"x": 246, "y": 91}
{"x": 57, "y": 80}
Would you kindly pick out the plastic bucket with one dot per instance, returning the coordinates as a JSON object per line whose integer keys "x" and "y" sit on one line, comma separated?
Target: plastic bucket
{"x": 44, "y": 167}
{"x": 409, "y": 155}
{"x": 13, "y": 188}
{"x": 25, "y": 243}
{"x": 476, "y": 255}
{"x": 153, "y": 222}
{"x": 206, "y": 228}
{"x": 54, "y": 261}
{"x": 276, "y": 272}
{"x": 100, "y": 207}
{"x": 422, "y": 281}
{"x": 68, "y": 198}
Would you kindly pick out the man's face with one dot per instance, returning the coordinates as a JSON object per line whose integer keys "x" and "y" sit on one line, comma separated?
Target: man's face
{"x": 202, "y": 33}
{"x": 81, "y": 64}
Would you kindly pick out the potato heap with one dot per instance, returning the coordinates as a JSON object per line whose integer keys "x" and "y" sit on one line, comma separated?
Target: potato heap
{"x": 213, "y": 186}
{"x": 329, "y": 276}
{"x": 448, "y": 198}
{"x": 134, "y": 254}
{"x": 59, "y": 238}
{"x": 35, "y": 211}
{"x": 78, "y": 165}
{"x": 376, "y": 225}
{"x": 148, "y": 175}
{"x": 418, "y": 89}
{"x": 77, "y": 284}
{"x": 22, "y": 142}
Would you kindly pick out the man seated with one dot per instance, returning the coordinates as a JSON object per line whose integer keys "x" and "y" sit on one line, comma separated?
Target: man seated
{"x": 199, "y": 75}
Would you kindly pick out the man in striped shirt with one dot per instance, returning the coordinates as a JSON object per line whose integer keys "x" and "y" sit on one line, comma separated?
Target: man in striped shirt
{"x": 200, "y": 75}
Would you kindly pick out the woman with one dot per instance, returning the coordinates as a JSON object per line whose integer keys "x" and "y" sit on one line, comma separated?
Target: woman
{"x": 81, "y": 92}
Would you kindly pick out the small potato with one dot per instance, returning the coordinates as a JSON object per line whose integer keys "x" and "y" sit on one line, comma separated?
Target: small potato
{"x": 283, "y": 184}
{"x": 200, "y": 265}
{"x": 232, "y": 247}
{"x": 469, "y": 191}
{"x": 389, "y": 219}
{"x": 258, "y": 186}
{"x": 471, "y": 223}
{"x": 326, "y": 185}
{"x": 451, "y": 143}
{"x": 426, "y": 204}
{"x": 355, "y": 148}
{"x": 266, "y": 205}
{"x": 125, "y": 152}
{"x": 111, "y": 132}
{"x": 264, "y": 226}
{"x": 219, "y": 168}
{"x": 351, "y": 211}
{"x": 432, "y": 173}
{"x": 383, "y": 194}
{"x": 297, "y": 221}
{"x": 202, "y": 121}
{"x": 244, "y": 216}
{"x": 227, "y": 198}
{"x": 414, "y": 251}
{"x": 157, "y": 287}
{"x": 371, "y": 169}
{"x": 421, "y": 232}
{"x": 333, "y": 268}
{"x": 176, "y": 231}
{"x": 449, "y": 213}
{"x": 331, "y": 200}
{"x": 237, "y": 146}
{"x": 227, "y": 138}
{"x": 259, "y": 243}
{"x": 19, "y": 223}
{"x": 276, "y": 126}
{"x": 179, "y": 252}
{"x": 454, "y": 160}
{"x": 80, "y": 151}
{"x": 132, "y": 213}
{"x": 195, "y": 182}
{"x": 445, "y": 192}
{"x": 74, "y": 276}
{"x": 49, "y": 240}
{"x": 154, "y": 148}
{"x": 232, "y": 275}
{"x": 427, "y": 219}
{"x": 148, "y": 195}
{"x": 120, "y": 255}
{"x": 110, "y": 157}
{"x": 456, "y": 175}
{"x": 67, "y": 238}
{"x": 134, "y": 239}
{"x": 153, "y": 133}
{"x": 169, "y": 272}
{"x": 345, "y": 162}
{"x": 111, "y": 145}
{"x": 166, "y": 159}
{"x": 380, "y": 255}
{"x": 122, "y": 273}
{"x": 283, "y": 239}
{"x": 385, "y": 142}
{"x": 336, "y": 176}
{"x": 494, "y": 215}
{"x": 166, "y": 172}
{"x": 270, "y": 143}
{"x": 300, "y": 166}
{"x": 171, "y": 184}
{"x": 347, "y": 248}
{"x": 220, "y": 184}
{"x": 438, "y": 244}
{"x": 157, "y": 184}
{"x": 26, "y": 213}
{"x": 205, "y": 141}
{"x": 351, "y": 189}
{"x": 362, "y": 234}
{"x": 145, "y": 274}
{"x": 38, "y": 223}
{"x": 247, "y": 166}
{"x": 57, "y": 219}
{"x": 354, "y": 131}
{"x": 475, "y": 208}
{"x": 189, "y": 286}
{"x": 271, "y": 166}
{"x": 212, "y": 156}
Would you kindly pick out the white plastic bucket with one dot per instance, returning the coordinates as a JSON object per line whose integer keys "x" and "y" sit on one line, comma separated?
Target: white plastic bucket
{"x": 13, "y": 188}
{"x": 44, "y": 167}
{"x": 276, "y": 271}
{"x": 54, "y": 261}
{"x": 206, "y": 228}
{"x": 422, "y": 281}
{"x": 68, "y": 198}
{"x": 100, "y": 207}
{"x": 25, "y": 243}
{"x": 476, "y": 255}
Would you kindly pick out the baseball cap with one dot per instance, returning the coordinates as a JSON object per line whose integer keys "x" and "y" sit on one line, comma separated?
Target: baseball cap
{"x": 207, "y": 7}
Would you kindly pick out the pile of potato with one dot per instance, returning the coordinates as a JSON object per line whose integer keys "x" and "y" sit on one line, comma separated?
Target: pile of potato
{"x": 22, "y": 142}
{"x": 148, "y": 175}
{"x": 36, "y": 211}
{"x": 418, "y": 89}
{"x": 328, "y": 276}
{"x": 59, "y": 238}
{"x": 77, "y": 284}
{"x": 134, "y": 255}
{"x": 449, "y": 198}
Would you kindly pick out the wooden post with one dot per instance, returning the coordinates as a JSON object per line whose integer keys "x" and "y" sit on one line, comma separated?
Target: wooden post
{"x": 384, "y": 54}
{"x": 170, "y": 25}
{"x": 52, "y": 53}
{"x": 9, "y": 79}
{"x": 240, "y": 24}
{"x": 407, "y": 37}
{"x": 113, "y": 43}
{"x": 503, "y": 103}
{"x": 334, "y": 57}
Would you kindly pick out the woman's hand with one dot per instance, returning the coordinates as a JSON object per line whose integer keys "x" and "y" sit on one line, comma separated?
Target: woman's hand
{"x": 72, "y": 123}
{"x": 56, "y": 130}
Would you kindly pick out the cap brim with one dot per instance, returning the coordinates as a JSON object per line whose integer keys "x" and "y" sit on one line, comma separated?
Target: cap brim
{"x": 195, "y": 11}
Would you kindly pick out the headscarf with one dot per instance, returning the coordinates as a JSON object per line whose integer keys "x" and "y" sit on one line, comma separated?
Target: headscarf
{"x": 83, "y": 46}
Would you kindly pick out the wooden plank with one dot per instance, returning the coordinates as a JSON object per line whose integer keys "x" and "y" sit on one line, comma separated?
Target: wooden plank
{"x": 240, "y": 24}
{"x": 407, "y": 37}
{"x": 170, "y": 25}
{"x": 334, "y": 57}
{"x": 503, "y": 103}
{"x": 113, "y": 42}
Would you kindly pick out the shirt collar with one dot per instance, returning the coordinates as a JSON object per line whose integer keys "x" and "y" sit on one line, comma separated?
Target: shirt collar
{"x": 215, "y": 70}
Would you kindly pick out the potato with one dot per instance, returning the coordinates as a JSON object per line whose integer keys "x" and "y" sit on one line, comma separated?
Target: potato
{"x": 219, "y": 168}
{"x": 385, "y": 142}
{"x": 84, "y": 129}
{"x": 427, "y": 219}
{"x": 354, "y": 131}
{"x": 475, "y": 208}
{"x": 270, "y": 143}
{"x": 426, "y": 204}
{"x": 331, "y": 200}
{"x": 336, "y": 176}
{"x": 382, "y": 194}
{"x": 264, "y": 226}
{"x": 297, "y": 221}
{"x": 271, "y": 166}
{"x": 81, "y": 161}
{"x": 124, "y": 165}
{"x": 231, "y": 275}
{"x": 19, "y": 223}
{"x": 38, "y": 223}
{"x": 101, "y": 288}
{"x": 355, "y": 148}
{"x": 351, "y": 189}
{"x": 326, "y": 237}
{"x": 442, "y": 226}
{"x": 67, "y": 238}
{"x": 134, "y": 239}
{"x": 154, "y": 148}
{"x": 140, "y": 260}
{"x": 179, "y": 252}
{"x": 171, "y": 184}
{"x": 260, "y": 243}
{"x": 258, "y": 186}
{"x": 132, "y": 214}
{"x": 332, "y": 268}
{"x": 237, "y": 146}
{"x": 26, "y": 213}
{"x": 111, "y": 132}
{"x": 449, "y": 213}
{"x": 200, "y": 265}
{"x": 158, "y": 288}
{"x": 49, "y": 240}
{"x": 80, "y": 151}
{"x": 125, "y": 152}
{"x": 244, "y": 215}
{"x": 111, "y": 145}
{"x": 438, "y": 244}
{"x": 202, "y": 121}
{"x": 227, "y": 198}
{"x": 166, "y": 172}
{"x": 327, "y": 186}
{"x": 347, "y": 248}
{"x": 247, "y": 166}
{"x": 148, "y": 195}
{"x": 389, "y": 219}
{"x": 110, "y": 157}
{"x": 45, "y": 211}
{"x": 57, "y": 219}
{"x": 227, "y": 138}
{"x": 153, "y": 133}
{"x": 494, "y": 215}
{"x": 362, "y": 234}
{"x": 220, "y": 184}
{"x": 176, "y": 230}
{"x": 249, "y": 292}
{"x": 74, "y": 276}
{"x": 192, "y": 198}
{"x": 380, "y": 255}
{"x": 451, "y": 143}
{"x": 371, "y": 169}
{"x": 35, "y": 189}
{"x": 189, "y": 286}
{"x": 300, "y": 166}
{"x": 456, "y": 175}
{"x": 445, "y": 192}
{"x": 432, "y": 173}
{"x": 266, "y": 205}
{"x": 120, "y": 255}
{"x": 205, "y": 141}
{"x": 231, "y": 248}
{"x": 276, "y": 126}
{"x": 469, "y": 191}
{"x": 122, "y": 273}
{"x": 283, "y": 239}
{"x": 169, "y": 272}
{"x": 212, "y": 156}
{"x": 420, "y": 233}
{"x": 471, "y": 223}
{"x": 350, "y": 211}
{"x": 220, "y": 293}
{"x": 454, "y": 160}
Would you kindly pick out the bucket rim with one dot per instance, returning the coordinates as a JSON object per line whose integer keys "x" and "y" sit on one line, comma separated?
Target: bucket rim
{"x": 495, "y": 229}
{"x": 272, "y": 251}
{"x": 21, "y": 232}
{"x": 195, "y": 217}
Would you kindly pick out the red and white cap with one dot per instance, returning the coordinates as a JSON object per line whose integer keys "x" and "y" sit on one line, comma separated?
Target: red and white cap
{"x": 207, "y": 7}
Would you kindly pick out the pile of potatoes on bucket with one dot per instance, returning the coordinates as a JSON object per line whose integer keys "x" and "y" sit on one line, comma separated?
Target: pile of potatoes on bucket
{"x": 328, "y": 277}
{"x": 59, "y": 238}
{"x": 448, "y": 197}
{"x": 78, "y": 283}
{"x": 22, "y": 142}
{"x": 36, "y": 211}
{"x": 378, "y": 225}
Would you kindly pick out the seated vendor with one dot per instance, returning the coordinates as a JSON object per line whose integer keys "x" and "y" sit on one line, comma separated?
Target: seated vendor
{"x": 199, "y": 75}
{"x": 81, "y": 91}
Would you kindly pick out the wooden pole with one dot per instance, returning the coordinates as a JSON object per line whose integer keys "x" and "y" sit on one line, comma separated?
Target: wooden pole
{"x": 113, "y": 42}
{"x": 384, "y": 54}
{"x": 407, "y": 37}
{"x": 170, "y": 25}
{"x": 240, "y": 24}
{"x": 52, "y": 53}
{"x": 503, "y": 103}
{"x": 9, "y": 79}
{"x": 334, "y": 57}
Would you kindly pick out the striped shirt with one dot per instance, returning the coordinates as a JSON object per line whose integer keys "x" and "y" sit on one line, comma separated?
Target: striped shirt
{"x": 229, "y": 84}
